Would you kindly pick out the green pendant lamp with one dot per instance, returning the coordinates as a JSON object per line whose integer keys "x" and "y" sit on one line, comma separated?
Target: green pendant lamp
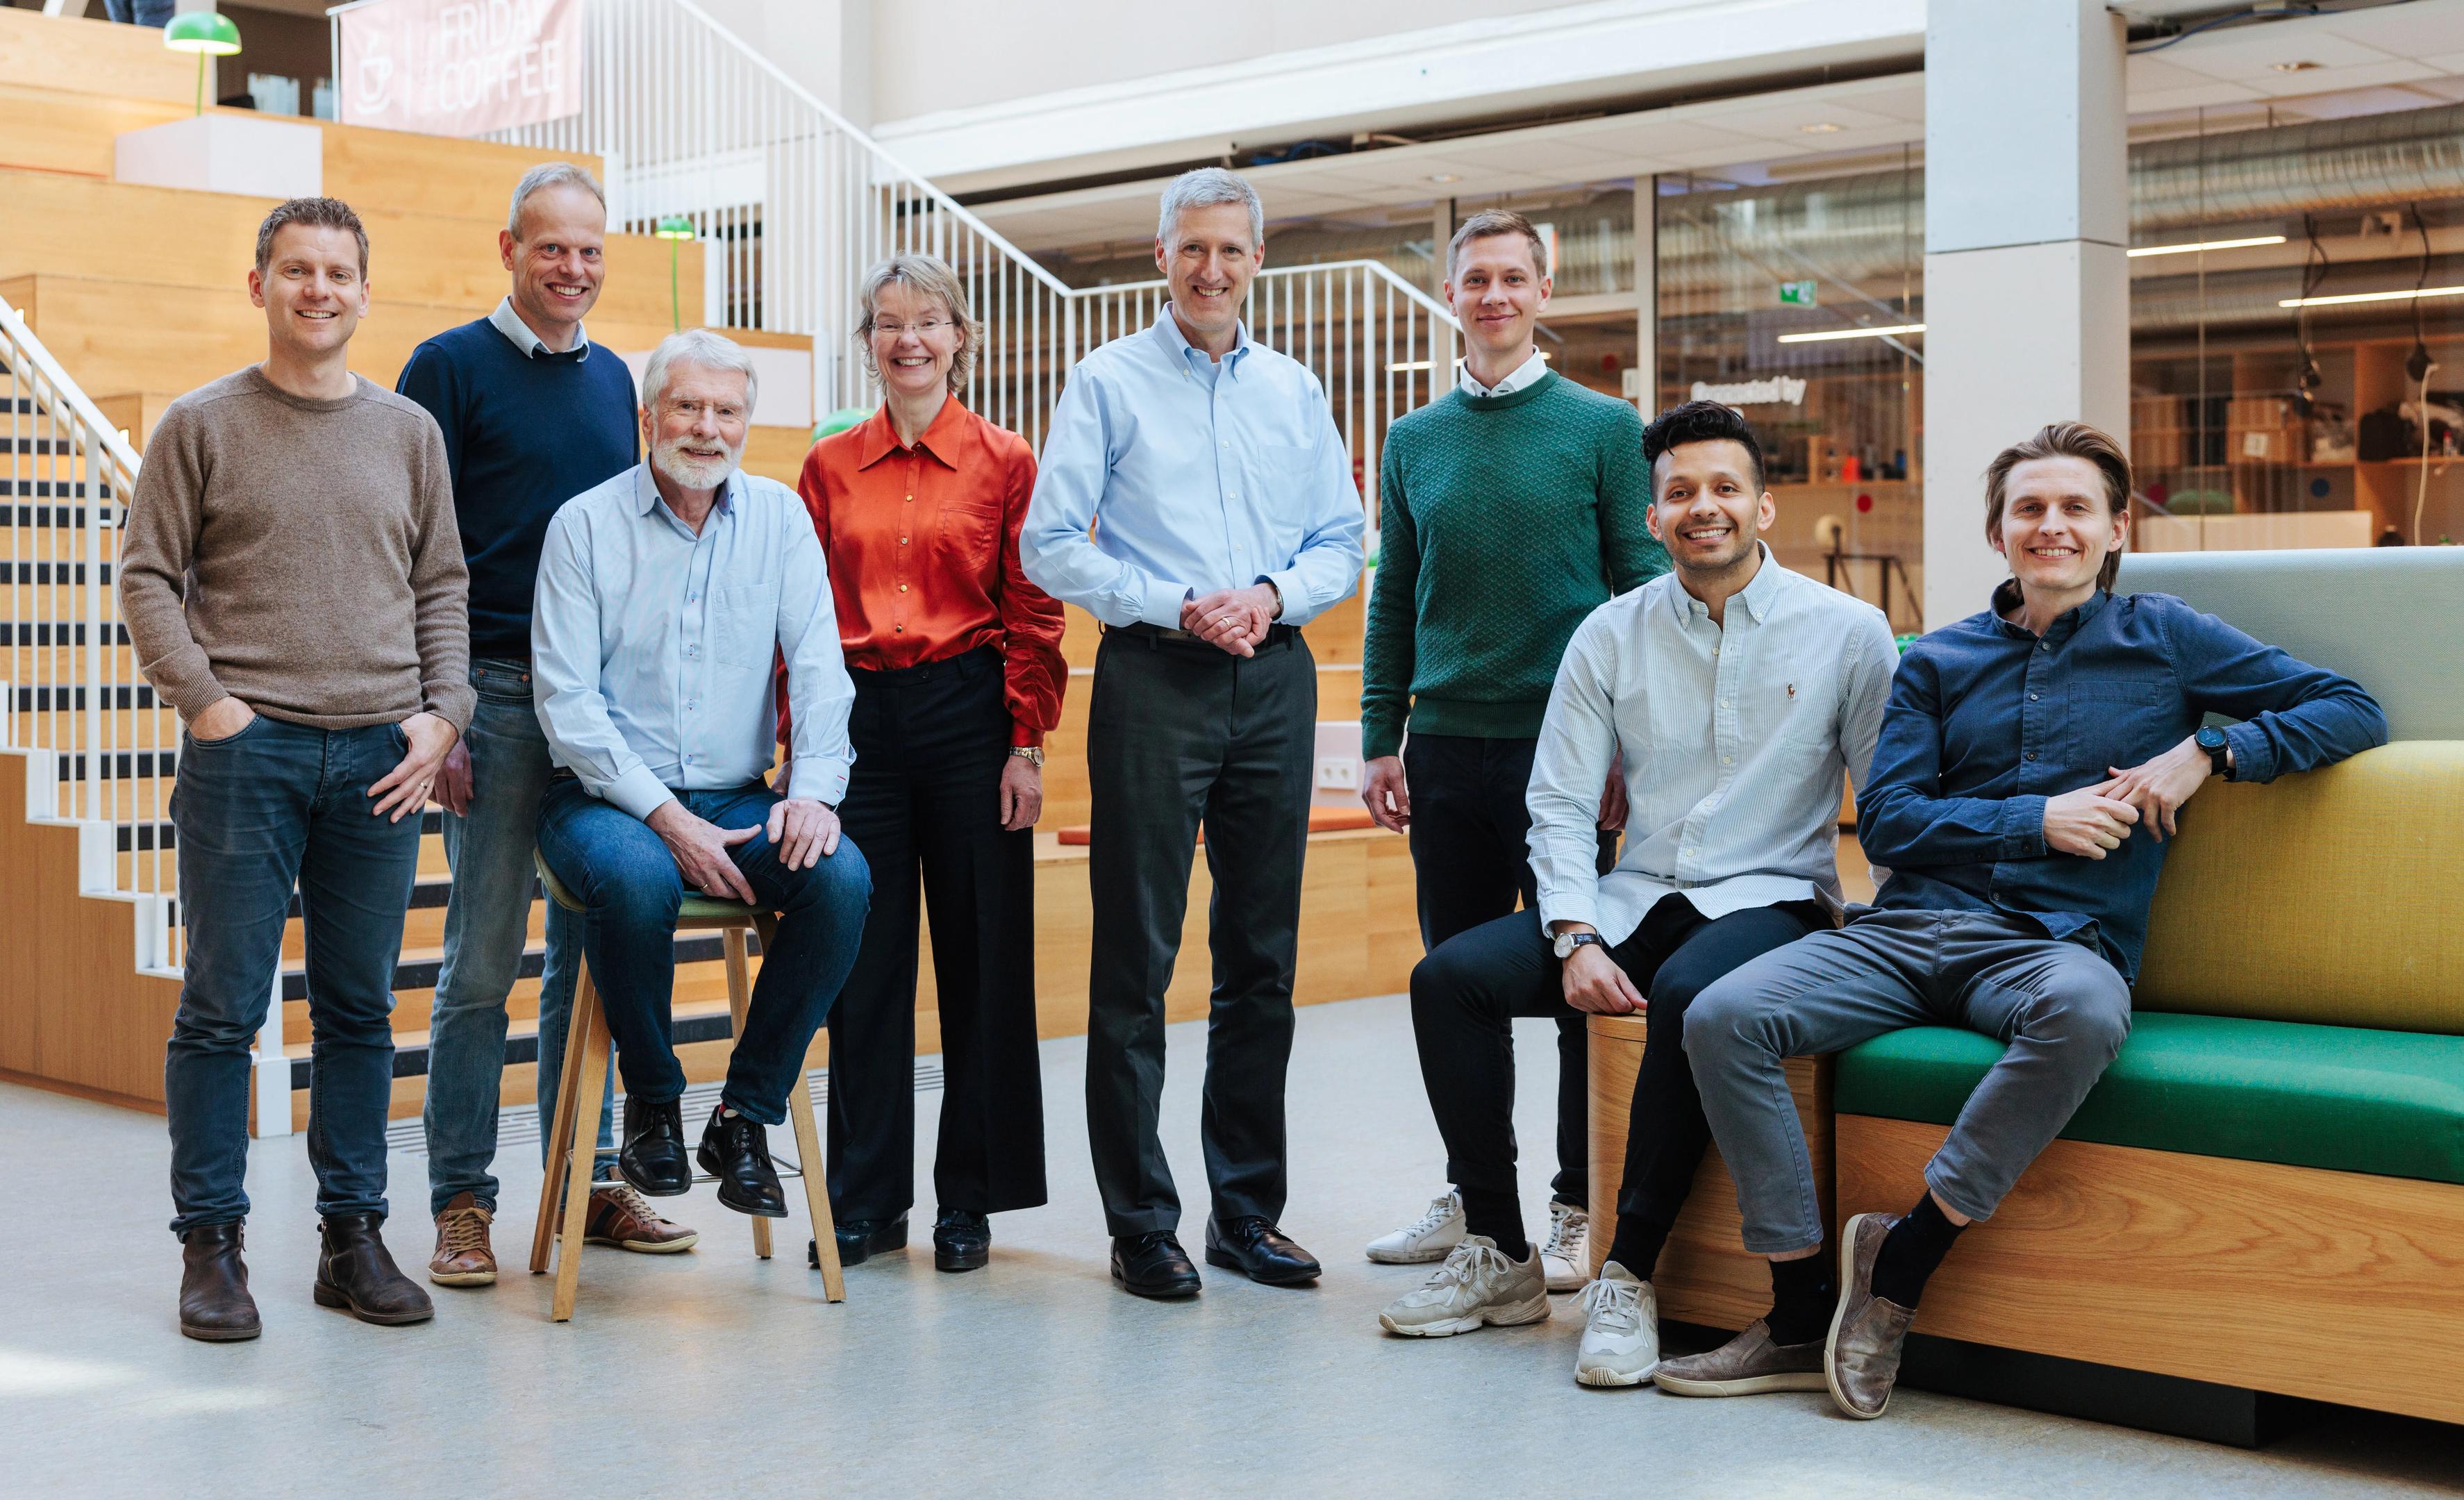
{"x": 209, "y": 33}
{"x": 676, "y": 229}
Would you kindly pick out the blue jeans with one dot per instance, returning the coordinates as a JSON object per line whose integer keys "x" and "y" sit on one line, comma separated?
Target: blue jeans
{"x": 630, "y": 889}
{"x": 485, "y": 920}
{"x": 144, "y": 12}
{"x": 273, "y": 805}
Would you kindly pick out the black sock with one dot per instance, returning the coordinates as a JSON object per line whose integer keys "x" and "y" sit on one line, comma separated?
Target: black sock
{"x": 1498, "y": 1216}
{"x": 1915, "y": 1245}
{"x": 1638, "y": 1244}
{"x": 1803, "y": 1293}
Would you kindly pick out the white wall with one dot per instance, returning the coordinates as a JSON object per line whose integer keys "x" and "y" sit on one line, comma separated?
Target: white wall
{"x": 813, "y": 42}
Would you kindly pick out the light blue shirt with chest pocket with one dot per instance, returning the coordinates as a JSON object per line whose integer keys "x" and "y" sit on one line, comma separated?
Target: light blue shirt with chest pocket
{"x": 654, "y": 650}
{"x": 1169, "y": 474}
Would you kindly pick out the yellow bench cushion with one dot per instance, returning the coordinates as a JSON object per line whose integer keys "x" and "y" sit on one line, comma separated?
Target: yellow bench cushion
{"x": 2335, "y": 897}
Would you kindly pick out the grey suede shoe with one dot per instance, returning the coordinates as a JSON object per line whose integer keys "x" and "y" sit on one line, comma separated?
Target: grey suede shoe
{"x": 1861, "y": 1359}
{"x": 1746, "y": 1365}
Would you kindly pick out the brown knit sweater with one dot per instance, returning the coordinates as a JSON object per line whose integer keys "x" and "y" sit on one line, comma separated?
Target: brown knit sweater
{"x": 299, "y": 555}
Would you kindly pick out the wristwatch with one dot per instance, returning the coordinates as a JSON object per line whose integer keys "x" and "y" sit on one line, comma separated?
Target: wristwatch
{"x": 1032, "y": 755}
{"x": 1568, "y": 942}
{"x": 2211, "y": 739}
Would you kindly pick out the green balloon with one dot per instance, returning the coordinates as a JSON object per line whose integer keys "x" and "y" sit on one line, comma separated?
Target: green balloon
{"x": 840, "y": 421}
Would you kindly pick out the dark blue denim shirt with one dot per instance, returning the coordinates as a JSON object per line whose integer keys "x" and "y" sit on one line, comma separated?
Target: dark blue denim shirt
{"x": 1986, "y": 721}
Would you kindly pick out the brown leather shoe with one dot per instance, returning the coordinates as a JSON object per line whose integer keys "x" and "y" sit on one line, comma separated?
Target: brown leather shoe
{"x": 1746, "y": 1365}
{"x": 463, "y": 1256}
{"x": 215, "y": 1304}
{"x": 621, "y": 1217}
{"x": 356, "y": 1271}
{"x": 1861, "y": 1359}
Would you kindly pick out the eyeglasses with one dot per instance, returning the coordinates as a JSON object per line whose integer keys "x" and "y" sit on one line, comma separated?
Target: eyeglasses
{"x": 923, "y": 330}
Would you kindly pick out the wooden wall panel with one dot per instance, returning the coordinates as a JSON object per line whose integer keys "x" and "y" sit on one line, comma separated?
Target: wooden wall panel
{"x": 2336, "y": 1286}
{"x": 95, "y": 58}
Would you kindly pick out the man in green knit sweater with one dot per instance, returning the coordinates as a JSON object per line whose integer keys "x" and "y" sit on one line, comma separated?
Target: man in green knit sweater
{"x": 1511, "y": 508}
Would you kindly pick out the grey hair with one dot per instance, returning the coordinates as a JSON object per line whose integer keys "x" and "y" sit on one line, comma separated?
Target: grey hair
{"x": 551, "y": 174}
{"x": 928, "y": 275}
{"x": 1203, "y": 188}
{"x": 711, "y": 351}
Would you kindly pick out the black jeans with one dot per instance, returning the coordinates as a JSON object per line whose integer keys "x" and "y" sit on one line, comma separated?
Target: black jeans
{"x": 1181, "y": 733}
{"x": 1465, "y": 995}
{"x": 1470, "y": 861}
{"x": 924, "y": 803}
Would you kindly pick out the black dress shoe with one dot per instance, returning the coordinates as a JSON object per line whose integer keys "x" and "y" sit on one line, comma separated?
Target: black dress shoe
{"x": 215, "y": 1304}
{"x": 961, "y": 1239}
{"x": 355, "y": 1270}
{"x": 653, "y": 1159}
{"x": 735, "y": 1150}
{"x": 1154, "y": 1265}
{"x": 860, "y": 1240}
{"x": 1252, "y": 1246}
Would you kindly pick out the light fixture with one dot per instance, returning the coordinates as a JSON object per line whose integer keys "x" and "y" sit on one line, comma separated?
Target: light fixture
{"x": 1821, "y": 127}
{"x": 2206, "y": 244}
{"x": 1828, "y": 335}
{"x": 676, "y": 229}
{"x": 2303, "y": 65}
{"x": 2408, "y": 294}
{"x": 209, "y": 33}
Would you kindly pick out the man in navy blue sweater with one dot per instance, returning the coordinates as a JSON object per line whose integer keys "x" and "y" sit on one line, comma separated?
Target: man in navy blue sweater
{"x": 2033, "y": 760}
{"x": 533, "y": 414}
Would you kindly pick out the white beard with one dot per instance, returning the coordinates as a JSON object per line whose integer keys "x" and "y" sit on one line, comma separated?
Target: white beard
{"x": 669, "y": 458}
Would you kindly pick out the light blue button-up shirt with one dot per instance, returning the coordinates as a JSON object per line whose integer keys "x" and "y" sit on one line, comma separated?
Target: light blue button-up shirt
{"x": 652, "y": 648}
{"x": 1170, "y": 474}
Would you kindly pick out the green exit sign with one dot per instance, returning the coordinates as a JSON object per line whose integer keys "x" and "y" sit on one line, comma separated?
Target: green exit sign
{"x": 1796, "y": 294}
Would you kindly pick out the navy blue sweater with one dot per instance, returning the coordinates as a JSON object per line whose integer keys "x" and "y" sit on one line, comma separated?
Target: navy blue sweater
{"x": 522, "y": 436}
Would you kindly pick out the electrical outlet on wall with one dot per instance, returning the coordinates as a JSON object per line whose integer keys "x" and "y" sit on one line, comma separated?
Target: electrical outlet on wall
{"x": 1338, "y": 774}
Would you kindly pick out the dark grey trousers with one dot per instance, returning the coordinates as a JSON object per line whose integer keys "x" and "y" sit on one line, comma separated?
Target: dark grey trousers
{"x": 1180, "y": 732}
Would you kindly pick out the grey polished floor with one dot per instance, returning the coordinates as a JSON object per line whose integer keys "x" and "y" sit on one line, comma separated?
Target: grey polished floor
{"x": 713, "y": 1374}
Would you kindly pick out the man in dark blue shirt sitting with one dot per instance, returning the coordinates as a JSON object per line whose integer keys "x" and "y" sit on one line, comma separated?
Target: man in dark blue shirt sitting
{"x": 2032, "y": 761}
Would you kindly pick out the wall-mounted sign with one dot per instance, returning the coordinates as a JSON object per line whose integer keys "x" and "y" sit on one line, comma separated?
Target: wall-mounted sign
{"x": 1780, "y": 391}
{"x": 1796, "y": 294}
{"x": 458, "y": 67}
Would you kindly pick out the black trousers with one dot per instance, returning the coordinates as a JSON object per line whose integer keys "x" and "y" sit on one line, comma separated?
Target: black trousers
{"x": 1180, "y": 732}
{"x": 1466, "y": 993}
{"x": 1470, "y": 860}
{"x": 924, "y": 804}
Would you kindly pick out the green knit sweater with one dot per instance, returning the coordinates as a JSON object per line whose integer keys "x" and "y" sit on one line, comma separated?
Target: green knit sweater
{"x": 1502, "y": 523}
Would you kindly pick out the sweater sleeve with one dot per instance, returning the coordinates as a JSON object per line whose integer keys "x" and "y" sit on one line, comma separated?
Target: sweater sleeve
{"x": 440, "y": 587}
{"x": 1387, "y": 646}
{"x": 1634, "y": 556}
{"x": 158, "y": 545}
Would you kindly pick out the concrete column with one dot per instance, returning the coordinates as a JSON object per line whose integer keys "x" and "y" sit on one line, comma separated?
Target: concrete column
{"x": 1646, "y": 293}
{"x": 2027, "y": 290}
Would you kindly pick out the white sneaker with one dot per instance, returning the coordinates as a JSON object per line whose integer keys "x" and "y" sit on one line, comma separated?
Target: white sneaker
{"x": 1477, "y": 1285}
{"x": 1620, "y": 1330}
{"x": 1567, "y": 1253}
{"x": 1426, "y": 1239}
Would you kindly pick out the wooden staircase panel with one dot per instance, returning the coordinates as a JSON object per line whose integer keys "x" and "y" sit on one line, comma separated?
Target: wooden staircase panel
{"x": 95, "y": 56}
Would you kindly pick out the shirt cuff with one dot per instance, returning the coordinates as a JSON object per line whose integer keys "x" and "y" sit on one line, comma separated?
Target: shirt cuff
{"x": 1022, "y": 733}
{"x": 2023, "y": 828}
{"x": 2254, "y": 754}
{"x": 822, "y": 777}
{"x": 1380, "y": 740}
{"x": 1569, "y": 906}
{"x": 1163, "y": 603}
{"x": 1296, "y": 600}
{"x": 638, "y": 792}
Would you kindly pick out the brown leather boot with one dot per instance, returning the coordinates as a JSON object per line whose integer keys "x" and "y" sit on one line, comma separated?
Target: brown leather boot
{"x": 464, "y": 1257}
{"x": 215, "y": 1304}
{"x": 355, "y": 1270}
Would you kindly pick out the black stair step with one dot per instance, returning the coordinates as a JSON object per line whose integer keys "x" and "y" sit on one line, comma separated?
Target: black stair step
{"x": 48, "y": 701}
{"x": 45, "y": 632}
{"x": 693, "y": 947}
{"x": 140, "y": 836}
{"x": 122, "y": 767}
{"x": 55, "y": 490}
{"x": 48, "y": 572}
{"x": 40, "y": 446}
{"x": 49, "y": 514}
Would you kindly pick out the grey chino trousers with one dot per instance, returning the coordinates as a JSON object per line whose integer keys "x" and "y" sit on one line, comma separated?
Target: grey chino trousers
{"x": 2060, "y": 1008}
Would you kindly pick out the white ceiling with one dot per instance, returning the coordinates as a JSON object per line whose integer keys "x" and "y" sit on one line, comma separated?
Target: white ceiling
{"x": 2399, "y": 56}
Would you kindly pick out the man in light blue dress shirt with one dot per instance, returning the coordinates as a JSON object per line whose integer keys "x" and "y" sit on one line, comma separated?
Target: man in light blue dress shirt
{"x": 663, "y": 595}
{"x": 1196, "y": 498}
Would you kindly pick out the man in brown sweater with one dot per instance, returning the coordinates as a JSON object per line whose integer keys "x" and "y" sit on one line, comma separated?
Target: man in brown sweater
{"x": 294, "y": 585}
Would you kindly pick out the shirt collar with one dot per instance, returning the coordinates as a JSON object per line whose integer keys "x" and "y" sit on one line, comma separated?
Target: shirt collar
{"x": 1758, "y": 595}
{"x": 645, "y": 490}
{"x": 1521, "y": 376}
{"x": 505, "y": 320}
{"x": 2006, "y": 598}
{"x": 1167, "y": 328}
{"x": 942, "y": 437}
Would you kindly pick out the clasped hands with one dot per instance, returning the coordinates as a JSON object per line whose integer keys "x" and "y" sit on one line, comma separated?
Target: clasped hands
{"x": 1233, "y": 619}
{"x": 803, "y": 830}
{"x": 2094, "y": 820}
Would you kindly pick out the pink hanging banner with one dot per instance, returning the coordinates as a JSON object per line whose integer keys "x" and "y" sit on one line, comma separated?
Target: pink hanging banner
{"x": 458, "y": 67}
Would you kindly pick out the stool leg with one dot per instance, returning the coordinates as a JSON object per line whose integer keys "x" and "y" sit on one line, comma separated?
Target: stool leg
{"x": 588, "y": 1031}
{"x": 739, "y": 999}
{"x": 560, "y": 1141}
{"x": 808, "y": 1151}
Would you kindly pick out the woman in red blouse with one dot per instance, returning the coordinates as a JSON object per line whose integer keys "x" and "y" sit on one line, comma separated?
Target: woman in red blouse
{"x": 957, "y": 668}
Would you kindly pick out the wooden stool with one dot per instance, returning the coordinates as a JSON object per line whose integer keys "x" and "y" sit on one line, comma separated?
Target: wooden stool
{"x": 585, "y": 1076}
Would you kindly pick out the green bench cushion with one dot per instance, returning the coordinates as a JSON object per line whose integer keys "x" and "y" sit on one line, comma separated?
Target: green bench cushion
{"x": 2339, "y": 1097}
